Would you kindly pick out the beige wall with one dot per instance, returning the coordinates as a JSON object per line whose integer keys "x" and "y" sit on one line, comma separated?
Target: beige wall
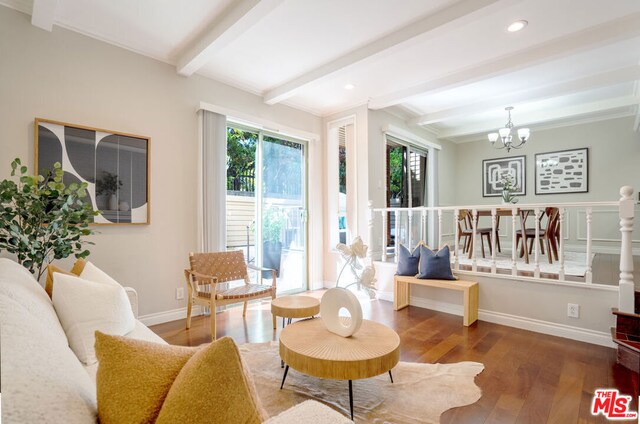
{"x": 614, "y": 161}
{"x": 72, "y": 78}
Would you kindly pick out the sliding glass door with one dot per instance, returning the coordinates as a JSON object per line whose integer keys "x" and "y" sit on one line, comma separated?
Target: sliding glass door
{"x": 266, "y": 203}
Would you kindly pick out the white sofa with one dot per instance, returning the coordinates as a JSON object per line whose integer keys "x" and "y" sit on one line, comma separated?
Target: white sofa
{"x": 42, "y": 379}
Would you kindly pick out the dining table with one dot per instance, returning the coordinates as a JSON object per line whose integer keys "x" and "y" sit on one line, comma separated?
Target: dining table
{"x": 524, "y": 213}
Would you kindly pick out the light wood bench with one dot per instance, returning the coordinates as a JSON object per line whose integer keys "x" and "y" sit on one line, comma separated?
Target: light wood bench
{"x": 469, "y": 289}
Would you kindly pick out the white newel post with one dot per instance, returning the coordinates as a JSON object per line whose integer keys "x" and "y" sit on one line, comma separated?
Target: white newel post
{"x": 626, "y": 285}
{"x": 410, "y": 229}
{"x": 514, "y": 267}
{"x": 536, "y": 242}
{"x": 439, "y": 228}
{"x": 494, "y": 235}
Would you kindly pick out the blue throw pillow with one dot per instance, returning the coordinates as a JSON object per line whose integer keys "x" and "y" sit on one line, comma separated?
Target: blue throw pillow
{"x": 435, "y": 265}
{"x": 408, "y": 262}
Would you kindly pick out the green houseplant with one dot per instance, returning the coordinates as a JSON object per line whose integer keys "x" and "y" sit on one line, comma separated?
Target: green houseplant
{"x": 273, "y": 222}
{"x": 42, "y": 219}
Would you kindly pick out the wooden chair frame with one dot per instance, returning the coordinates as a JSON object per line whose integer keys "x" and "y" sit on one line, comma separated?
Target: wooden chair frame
{"x": 207, "y": 270}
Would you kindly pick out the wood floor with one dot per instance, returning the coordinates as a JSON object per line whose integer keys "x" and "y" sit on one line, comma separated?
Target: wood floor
{"x": 528, "y": 377}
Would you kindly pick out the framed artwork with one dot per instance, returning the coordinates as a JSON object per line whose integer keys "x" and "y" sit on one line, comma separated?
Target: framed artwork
{"x": 566, "y": 171}
{"x": 493, "y": 170}
{"x": 115, "y": 166}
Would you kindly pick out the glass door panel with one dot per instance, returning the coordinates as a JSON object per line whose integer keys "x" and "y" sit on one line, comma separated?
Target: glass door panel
{"x": 283, "y": 211}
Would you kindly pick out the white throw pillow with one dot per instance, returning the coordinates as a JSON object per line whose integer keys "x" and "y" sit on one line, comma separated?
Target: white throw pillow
{"x": 93, "y": 273}
{"x": 85, "y": 306}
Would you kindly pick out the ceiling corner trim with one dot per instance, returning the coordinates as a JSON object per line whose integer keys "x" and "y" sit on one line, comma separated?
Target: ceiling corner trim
{"x": 44, "y": 13}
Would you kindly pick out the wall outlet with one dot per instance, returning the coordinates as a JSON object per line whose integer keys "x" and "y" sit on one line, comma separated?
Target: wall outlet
{"x": 573, "y": 310}
{"x": 180, "y": 293}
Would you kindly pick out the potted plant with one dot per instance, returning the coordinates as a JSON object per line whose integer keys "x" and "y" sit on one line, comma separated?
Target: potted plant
{"x": 42, "y": 219}
{"x": 508, "y": 188}
{"x": 108, "y": 186}
{"x": 273, "y": 222}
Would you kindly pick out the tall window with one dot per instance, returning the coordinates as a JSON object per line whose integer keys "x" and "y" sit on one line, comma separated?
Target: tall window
{"x": 342, "y": 184}
{"x": 406, "y": 183}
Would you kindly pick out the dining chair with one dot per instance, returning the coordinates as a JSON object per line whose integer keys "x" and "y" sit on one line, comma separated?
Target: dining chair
{"x": 208, "y": 270}
{"x": 465, "y": 229}
{"x": 548, "y": 236}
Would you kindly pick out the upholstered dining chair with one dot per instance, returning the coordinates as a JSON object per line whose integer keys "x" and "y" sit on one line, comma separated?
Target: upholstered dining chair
{"x": 208, "y": 270}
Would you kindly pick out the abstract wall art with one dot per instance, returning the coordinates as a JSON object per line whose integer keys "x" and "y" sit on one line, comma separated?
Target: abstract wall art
{"x": 493, "y": 171}
{"x": 566, "y": 171}
{"x": 114, "y": 165}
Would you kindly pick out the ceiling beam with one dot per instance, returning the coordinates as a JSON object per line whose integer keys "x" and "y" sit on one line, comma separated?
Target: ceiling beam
{"x": 460, "y": 12}
{"x": 529, "y": 95}
{"x": 542, "y": 116}
{"x": 43, "y": 14}
{"x": 240, "y": 16}
{"x": 603, "y": 34}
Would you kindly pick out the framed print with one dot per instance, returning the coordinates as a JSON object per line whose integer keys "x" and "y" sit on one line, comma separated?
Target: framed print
{"x": 566, "y": 171}
{"x": 493, "y": 170}
{"x": 115, "y": 166}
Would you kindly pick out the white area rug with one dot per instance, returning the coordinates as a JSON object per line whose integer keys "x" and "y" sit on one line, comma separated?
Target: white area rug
{"x": 575, "y": 263}
{"x": 420, "y": 392}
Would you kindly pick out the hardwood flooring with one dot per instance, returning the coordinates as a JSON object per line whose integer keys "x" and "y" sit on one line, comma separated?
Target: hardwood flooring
{"x": 528, "y": 377}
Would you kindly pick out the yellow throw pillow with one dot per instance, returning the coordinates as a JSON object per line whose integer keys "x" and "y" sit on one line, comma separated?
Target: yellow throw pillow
{"x": 213, "y": 388}
{"x": 134, "y": 376}
{"x": 76, "y": 270}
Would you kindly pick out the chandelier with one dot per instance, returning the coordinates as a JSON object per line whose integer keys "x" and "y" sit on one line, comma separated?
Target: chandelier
{"x": 507, "y": 134}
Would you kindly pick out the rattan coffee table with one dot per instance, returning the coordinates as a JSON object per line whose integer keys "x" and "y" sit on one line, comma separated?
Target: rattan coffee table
{"x": 308, "y": 347}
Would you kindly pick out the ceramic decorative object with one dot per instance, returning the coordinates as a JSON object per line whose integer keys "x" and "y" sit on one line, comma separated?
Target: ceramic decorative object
{"x": 332, "y": 301}
{"x": 113, "y": 203}
{"x": 124, "y": 206}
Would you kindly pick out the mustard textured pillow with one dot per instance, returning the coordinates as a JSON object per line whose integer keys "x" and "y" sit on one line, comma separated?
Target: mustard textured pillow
{"x": 212, "y": 388}
{"x": 134, "y": 377}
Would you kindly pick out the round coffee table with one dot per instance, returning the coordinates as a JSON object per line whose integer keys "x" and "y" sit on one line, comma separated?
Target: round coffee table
{"x": 308, "y": 347}
{"x": 295, "y": 307}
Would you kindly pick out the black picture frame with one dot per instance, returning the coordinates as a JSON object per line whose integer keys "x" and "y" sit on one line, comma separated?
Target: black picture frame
{"x": 115, "y": 166}
{"x": 551, "y": 177}
{"x": 492, "y": 169}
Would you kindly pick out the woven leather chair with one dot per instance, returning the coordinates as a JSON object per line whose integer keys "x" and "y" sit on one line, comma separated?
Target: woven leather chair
{"x": 210, "y": 269}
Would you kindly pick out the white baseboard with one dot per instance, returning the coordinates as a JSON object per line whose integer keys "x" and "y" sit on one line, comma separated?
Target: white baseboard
{"x": 545, "y": 327}
{"x": 386, "y": 296}
{"x": 168, "y": 316}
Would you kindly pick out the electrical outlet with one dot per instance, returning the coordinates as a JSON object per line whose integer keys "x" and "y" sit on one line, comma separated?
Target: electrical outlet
{"x": 180, "y": 293}
{"x": 573, "y": 310}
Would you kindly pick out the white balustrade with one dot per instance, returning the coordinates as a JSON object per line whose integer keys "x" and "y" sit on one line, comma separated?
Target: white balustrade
{"x": 519, "y": 268}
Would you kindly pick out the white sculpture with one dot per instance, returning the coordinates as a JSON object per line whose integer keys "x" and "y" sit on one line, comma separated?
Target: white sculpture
{"x": 340, "y": 297}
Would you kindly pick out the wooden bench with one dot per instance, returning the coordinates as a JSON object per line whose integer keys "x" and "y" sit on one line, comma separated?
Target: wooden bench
{"x": 401, "y": 293}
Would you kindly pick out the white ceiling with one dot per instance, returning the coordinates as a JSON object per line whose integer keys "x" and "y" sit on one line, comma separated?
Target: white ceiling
{"x": 447, "y": 65}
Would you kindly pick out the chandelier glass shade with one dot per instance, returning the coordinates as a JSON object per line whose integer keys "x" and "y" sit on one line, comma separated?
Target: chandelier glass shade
{"x": 507, "y": 134}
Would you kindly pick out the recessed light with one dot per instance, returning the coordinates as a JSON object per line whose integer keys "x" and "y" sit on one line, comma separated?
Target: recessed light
{"x": 349, "y": 87}
{"x": 517, "y": 26}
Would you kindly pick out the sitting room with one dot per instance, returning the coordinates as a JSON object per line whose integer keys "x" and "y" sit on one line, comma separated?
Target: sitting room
{"x": 279, "y": 211}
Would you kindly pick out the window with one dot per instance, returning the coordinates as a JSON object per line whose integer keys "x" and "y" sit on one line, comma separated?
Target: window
{"x": 406, "y": 184}
{"x": 342, "y": 184}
